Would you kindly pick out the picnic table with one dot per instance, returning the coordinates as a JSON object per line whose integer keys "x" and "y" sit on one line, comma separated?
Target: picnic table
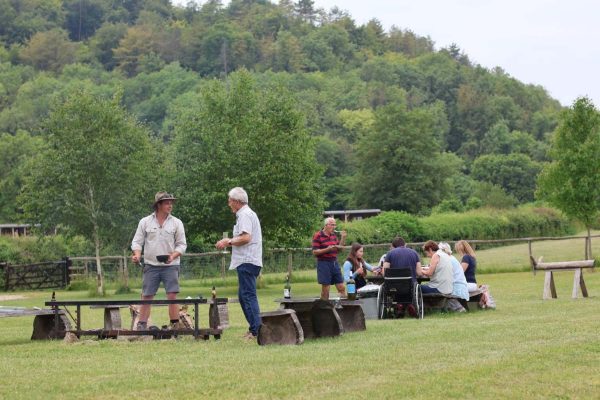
{"x": 47, "y": 324}
{"x": 328, "y": 318}
{"x": 112, "y": 330}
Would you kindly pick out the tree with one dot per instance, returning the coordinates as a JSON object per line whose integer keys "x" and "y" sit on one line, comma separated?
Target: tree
{"x": 515, "y": 173}
{"x": 571, "y": 182}
{"x": 49, "y": 51}
{"x": 14, "y": 153}
{"x": 97, "y": 174}
{"x": 401, "y": 165}
{"x": 254, "y": 138}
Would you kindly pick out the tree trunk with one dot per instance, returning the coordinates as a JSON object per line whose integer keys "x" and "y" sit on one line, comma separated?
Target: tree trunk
{"x": 99, "y": 277}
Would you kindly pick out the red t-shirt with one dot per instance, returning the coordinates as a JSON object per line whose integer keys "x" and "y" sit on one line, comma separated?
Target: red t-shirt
{"x": 321, "y": 240}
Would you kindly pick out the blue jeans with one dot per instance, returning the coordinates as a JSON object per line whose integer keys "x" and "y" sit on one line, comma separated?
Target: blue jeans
{"x": 247, "y": 274}
{"x": 427, "y": 289}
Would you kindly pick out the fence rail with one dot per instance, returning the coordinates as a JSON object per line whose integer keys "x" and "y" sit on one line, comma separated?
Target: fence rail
{"x": 209, "y": 265}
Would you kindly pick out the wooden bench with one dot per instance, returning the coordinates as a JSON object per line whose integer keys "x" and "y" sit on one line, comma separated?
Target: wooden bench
{"x": 115, "y": 305}
{"x": 550, "y": 267}
{"x": 47, "y": 324}
{"x": 318, "y": 318}
{"x": 440, "y": 300}
{"x": 280, "y": 327}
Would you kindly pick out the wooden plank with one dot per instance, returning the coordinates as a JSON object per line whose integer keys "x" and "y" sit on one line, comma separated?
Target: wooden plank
{"x": 280, "y": 327}
{"x": 565, "y": 265}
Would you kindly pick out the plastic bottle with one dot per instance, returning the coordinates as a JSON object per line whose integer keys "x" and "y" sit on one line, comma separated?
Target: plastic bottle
{"x": 351, "y": 288}
{"x": 287, "y": 289}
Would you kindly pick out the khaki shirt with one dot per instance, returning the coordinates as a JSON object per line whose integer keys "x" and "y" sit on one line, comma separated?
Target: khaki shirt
{"x": 158, "y": 240}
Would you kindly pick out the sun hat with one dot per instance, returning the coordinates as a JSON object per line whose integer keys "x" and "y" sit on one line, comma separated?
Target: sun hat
{"x": 161, "y": 196}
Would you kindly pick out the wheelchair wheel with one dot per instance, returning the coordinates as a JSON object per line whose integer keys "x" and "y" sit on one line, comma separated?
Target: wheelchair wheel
{"x": 418, "y": 301}
{"x": 380, "y": 303}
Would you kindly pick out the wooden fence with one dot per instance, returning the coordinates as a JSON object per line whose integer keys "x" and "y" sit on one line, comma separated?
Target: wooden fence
{"x": 215, "y": 264}
{"x": 208, "y": 265}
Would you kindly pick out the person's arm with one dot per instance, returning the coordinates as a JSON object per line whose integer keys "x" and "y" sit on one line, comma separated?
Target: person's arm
{"x": 319, "y": 252}
{"x": 435, "y": 259}
{"x": 368, "y": 266}
{"x": 347, "y": 271}
{"x": 419, "y": 269}
{"x": 138, "y": 242}
{"x": 343, "y": 239}
{"x": 386, "y": 264}
{"x": 240, "y": 240}
{"x": 180, "y": 243}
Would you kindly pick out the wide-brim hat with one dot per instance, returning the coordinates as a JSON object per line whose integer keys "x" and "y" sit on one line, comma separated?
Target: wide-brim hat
{"x": 161, "y": 196}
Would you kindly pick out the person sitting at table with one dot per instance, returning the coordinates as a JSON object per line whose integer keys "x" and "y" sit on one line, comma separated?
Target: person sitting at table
{"x": 468, "y": 263}
{"x": 403, "y": 257}
{"x": 356, "y": 267}
{"x": 459, "y": 283}
{"x": 439, "y": 271}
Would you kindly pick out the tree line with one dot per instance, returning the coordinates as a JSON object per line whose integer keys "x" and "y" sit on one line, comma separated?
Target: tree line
{"x": 103, "y": 102}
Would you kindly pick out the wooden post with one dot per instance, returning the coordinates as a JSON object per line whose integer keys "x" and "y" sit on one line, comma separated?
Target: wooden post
{"x": 549, "y": 288}
{"x": 289, "y": 263}
{"x": 578, "y": 281}
{"x": 125, "y": 270}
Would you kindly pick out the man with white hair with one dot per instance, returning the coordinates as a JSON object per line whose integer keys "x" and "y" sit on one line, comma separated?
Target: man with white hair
{"x": 246, "y": 256}
{"x": 326, "y": 245}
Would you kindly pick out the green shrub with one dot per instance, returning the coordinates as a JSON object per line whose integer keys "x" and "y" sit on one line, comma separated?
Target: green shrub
{"x": 383, "y": 228}
{"x": 488, "y": 223}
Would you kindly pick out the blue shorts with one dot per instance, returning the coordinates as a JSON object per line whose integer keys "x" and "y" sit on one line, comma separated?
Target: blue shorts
{"x": 154, "y": 275}
{"x": 328, "y": 272}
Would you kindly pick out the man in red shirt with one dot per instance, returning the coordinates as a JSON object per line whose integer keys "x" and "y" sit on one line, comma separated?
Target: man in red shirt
{"x": 325, "y": 247}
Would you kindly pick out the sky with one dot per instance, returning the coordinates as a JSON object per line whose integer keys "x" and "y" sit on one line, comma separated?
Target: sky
{"x": 551, "y": 43}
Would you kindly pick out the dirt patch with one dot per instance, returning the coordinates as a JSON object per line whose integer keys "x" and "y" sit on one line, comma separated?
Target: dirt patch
{"x": 7, "y": 297}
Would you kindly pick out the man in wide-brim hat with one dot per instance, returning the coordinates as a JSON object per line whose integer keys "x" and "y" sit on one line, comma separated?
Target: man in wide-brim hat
{"x": 162, "y": 238}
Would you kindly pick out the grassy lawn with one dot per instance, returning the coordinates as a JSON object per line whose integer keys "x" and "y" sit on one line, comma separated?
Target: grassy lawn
{"x": 527, "y": 348}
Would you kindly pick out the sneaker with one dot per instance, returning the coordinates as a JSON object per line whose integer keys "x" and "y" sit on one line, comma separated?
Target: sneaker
{"x": 250, "y": 338}
{"x": 247, "y": 335}
{"x": 141, "y": 326}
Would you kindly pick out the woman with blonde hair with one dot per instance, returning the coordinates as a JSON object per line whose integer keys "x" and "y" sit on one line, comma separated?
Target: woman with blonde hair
{"x": 468, "y": 263}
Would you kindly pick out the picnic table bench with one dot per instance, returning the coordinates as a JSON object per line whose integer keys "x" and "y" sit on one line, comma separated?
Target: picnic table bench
{"x": 440, "y": 300}
{"x": 315, "y": 318}
{"x": 112, "y": 328}
{"x": 47, "y": 324}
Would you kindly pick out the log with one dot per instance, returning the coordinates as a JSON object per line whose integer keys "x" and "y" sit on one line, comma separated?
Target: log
{"x": 564, "y": 265}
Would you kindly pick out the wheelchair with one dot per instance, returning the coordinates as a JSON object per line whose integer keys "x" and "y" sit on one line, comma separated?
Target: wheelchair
{"x": 398, "y": 288}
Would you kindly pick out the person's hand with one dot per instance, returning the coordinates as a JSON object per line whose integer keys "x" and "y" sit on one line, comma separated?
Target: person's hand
{"x": 135, "y": 258}
{"x": 360, "y": 271}
{"x": 344, "y": 234}
{"x": 170, "y": 259}
{"x": 221, "y": 244}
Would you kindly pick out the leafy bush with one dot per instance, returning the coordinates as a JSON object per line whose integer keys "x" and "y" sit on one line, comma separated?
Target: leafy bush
{"x": 496, "y": 224}
{"x": 383, "y": 228}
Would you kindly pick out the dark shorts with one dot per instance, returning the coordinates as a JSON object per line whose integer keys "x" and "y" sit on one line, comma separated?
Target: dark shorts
{"x": 328, "y": 273}
{"x": 154, "y": 275}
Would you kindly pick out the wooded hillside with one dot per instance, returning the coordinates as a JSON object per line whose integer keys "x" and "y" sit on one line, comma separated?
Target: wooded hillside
{"x": 391, "y": 121}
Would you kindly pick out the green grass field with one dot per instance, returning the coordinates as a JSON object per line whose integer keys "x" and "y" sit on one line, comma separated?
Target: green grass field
{"x": 527, "y": 348}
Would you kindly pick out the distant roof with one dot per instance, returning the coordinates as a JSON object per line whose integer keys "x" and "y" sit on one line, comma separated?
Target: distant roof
{"x": 345, "y": 212}
{"x": 15, "y": 225}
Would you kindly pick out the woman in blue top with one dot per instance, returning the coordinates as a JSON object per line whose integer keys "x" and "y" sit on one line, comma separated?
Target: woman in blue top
{"x": 356, "y": 266}
{"x": 468, "y": 263}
